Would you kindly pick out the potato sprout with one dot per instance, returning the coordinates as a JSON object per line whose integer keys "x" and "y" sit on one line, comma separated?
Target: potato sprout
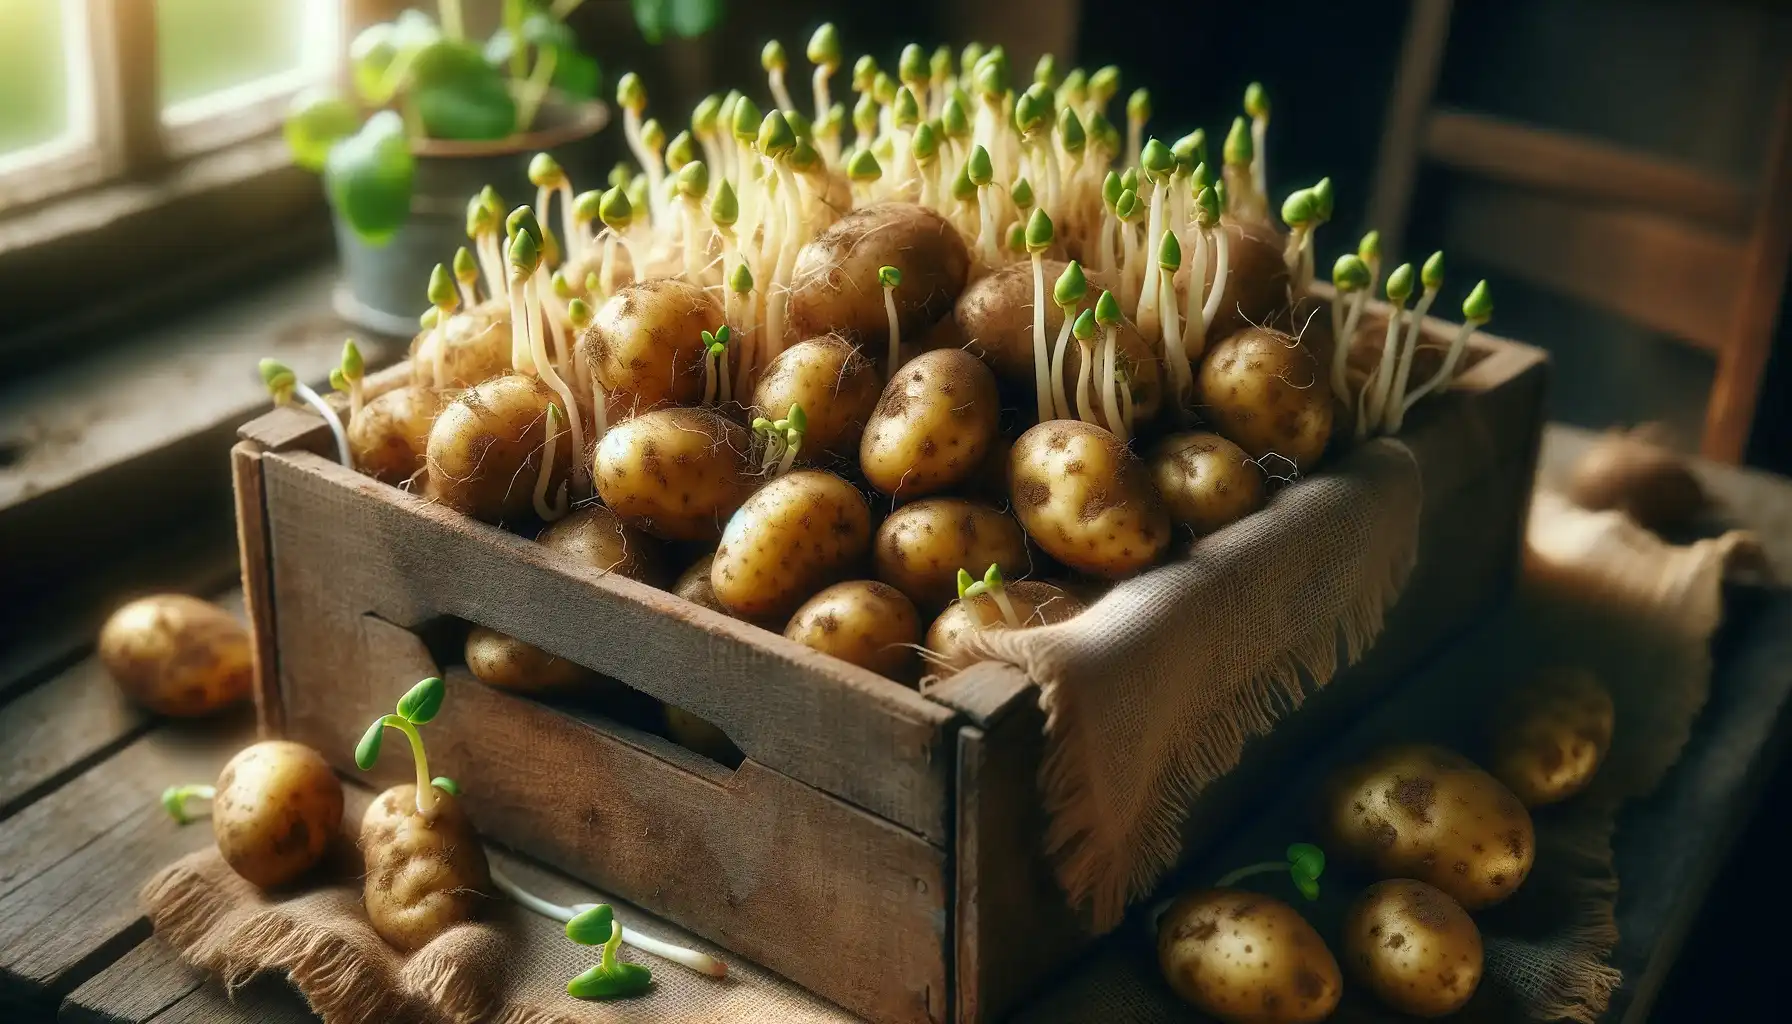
{"x": 715, "y": 366}
{"x": 444, "y": 299}
{"x": 1068, "y": 292}
{"x": 891, "y": 278}
{"x": 993, "y": 585}
{"x": 283, "y": 385}
{"x": 466, "y": 277}
{"x": 1256, "y": 106}
{"x": 175, "y": 800}
{"x": 783, "y": 439}
{"x": 1039, "y": 239}
{"x": 417, "y": 707}
{"x": 594, "y": 924}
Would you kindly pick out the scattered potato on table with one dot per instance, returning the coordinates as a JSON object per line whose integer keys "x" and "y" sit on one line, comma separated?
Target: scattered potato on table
{"x": 277, "y": 808}
{"x": 870, "y": 624}
{"x": 1206, "y": 481}
{"x": 1087, "y": 500}
{"x": 1263, "y": 391}
{"x": 1645, "y": 480}
{"x": 486, "y": 446}
{"x": 423, "y": 875}
{"x": 1551, "y": 735}
{"x": 677, "y": 474}
{"x": 1414, "y": 947}
{"x": 794, "y": 536}
{"x": 177, "y": 655}
{"x": 933, "y": 426}
{"x": 921, "y": 546}
{"x": 1247, "y": 958}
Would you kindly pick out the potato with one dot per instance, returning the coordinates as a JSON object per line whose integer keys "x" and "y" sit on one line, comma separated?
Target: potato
{"x": 645, "y": 344}
{"x": 1419, "y": 811}
{"x": 177, "y": 655}
{"x": 390, "y": 438}
{"x": 794, "y": 536}
{"x": 677, "y": 474}
{"x": 1263, "y": 391}
{"x": 870, "y": 624}
{"x": 701, "y": 736}
{"x": 693, "y": 585}
{"x": 922, "y": 545}
{"x": 277, "y": 808}
{"x": 1087, "y": 500}
{"x": 423, "y": 876}
{"x": 486, "y": 446}
{"x": 1245, "y": 957}
{"x": 478, "y": 347}
{"x": 932, "y": 427}
{"x": 511, "y": 664}
{"x": 994, "y": 320}
{"x": 835, "y": 288}
{"x": 1256, "y": 281}
{"x": 1640, "y": 478}
{"x": 1206, "y": 481}
{"x": 1551, "y": 735}
{"x": 593, "y": 536}
{"x": 1414, "y": 947}
{"x": 1036, "y": 603}
{"x": 836, "y": 385}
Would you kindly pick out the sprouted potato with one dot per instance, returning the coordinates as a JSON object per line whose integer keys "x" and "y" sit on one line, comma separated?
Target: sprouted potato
{"x": 835, "y": 286}
{"x": 921, "y": 546}
{"x": 426, "y": 870}
{"x": 275, "y": 810}
{"x": 870, "y": 624}
{"x": 834, "y": 383}
{"x": 1033, "y": 602}
{"x": 1206, "y": 481}
{"x": 1087, "y": 500}
{"x": 1414, "y": 947}
{"x": 389, "y": 437}
{"x": 1263, "y": 391}
{"x": 645, "y": 345}
{"x": 474, "y": 345}
{"x": 486, "y": 448}
{"x": 1257, "y": 283}
{"x": 511, "y": 664}
{"x": 596, "y": 538}
{"x": 1551, "y": 735}
{"x": 677, "y": 474}
{"x": 177, "y": 655}
{"x": 794, "y": 536}
{"x": 932, "y": 427}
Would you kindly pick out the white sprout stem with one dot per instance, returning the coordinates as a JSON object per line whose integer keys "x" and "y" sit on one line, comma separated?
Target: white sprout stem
{"x": 986, "y": 227}
{"x": 606, "y": 278}
{"x": 779, "y": 92}
{"x": 1175, "y": 357}
{"x": 1291, "y": 252}
{"x": 547, "y": 512}
{"x": 600, "y": 416}
{"x": 1123, "y": 384}
{"x": 428, "y": 801}
{"x": 543, "y": 292}
{"x": 1110, "y": 404}
{"x": 1379, "y": 385}
{"x": 1358, "y": 301}
{"x": 722, "y": 367}
{"x": 1178, "y": 203}
{"x": 569, "y": 229}
{"x": 634, "y": 258}
{"x": 1085, "y": 367}
{"x": 895, "y": 332}
{"x": 1259, "y": 160}
{"x": 702, "y": 963}
{"x": 631, "y": 130}
{"x": 693, "y": 265}
{"x": 1147, "y": 318}
{"x": 787, "y": 246}
{"x": 789, "y": 459}
{"x": 322, "y": 408}
{"x": 1008, "y": 614}
{"x": 469, "y": 295}
{"x": 1130, "y": 270}
{"x": 1221, "y": 268}
{"x": 1135, "y": 130}
{"x": 818, "y": 86}
{"x": 1340, "y": 346}
{"x": 538, "y": 347}
{"x": 1060, "y": 403}
{"x": 1041, "y": 357}
{"x": 357, "y": 397}
{"x": 491, "y": 262}
{"x": 1447, "y": 372}
{"x": 1194, "y": 331}
{"x": 439, "y": 356}
{"x": 520, "y": 359}
{"x": 1306, "y": 264}
{"x": 712, "y": 158}
{"x": 1395, "y": 409}
{"x": 749, "y": 344}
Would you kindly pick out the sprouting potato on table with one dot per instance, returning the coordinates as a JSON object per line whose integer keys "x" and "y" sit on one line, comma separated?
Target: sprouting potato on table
{"x": 276, "y": 809}
{"x": 921, "y": 546}
{"x": 486, "y": 449}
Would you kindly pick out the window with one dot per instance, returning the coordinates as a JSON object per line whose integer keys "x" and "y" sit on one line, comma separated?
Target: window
{"x": 103, "y": 89}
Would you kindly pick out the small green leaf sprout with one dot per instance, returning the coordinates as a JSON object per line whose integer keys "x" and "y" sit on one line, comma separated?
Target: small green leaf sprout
{"x": 446, "y": 785}
{"x": 1238, "y": 155}
{"x": 1477, "y": 309}
{"x": 912, "y": 68}
{"x": 715, "y": 366}
{"x": 1350, "y": 278}
{"x": 1304, "y": 864}
{"x": 992, "y": 584}
{"x": 1038, "y": 239}
{"x": 1372, "y": 400}
{"x": 353, "y": 369}
{"x": 592, "y": 924}
{"x": 417, "y": 707}
{"x": 176, "y": 798}
{"x": 1138, "y": 111}
{"x": 1431, "y": 278}
{"x": 283, "y": 385}
{"x": 466, "y": 277}
{"x": 1022, "y": 194}
{"x": 1169, "y": 260}
{"x": 1108, "y": 316}
{"x": 891, "y": 279}
{"x": 783, "y": 439}
{"x": 1068, "y": 292}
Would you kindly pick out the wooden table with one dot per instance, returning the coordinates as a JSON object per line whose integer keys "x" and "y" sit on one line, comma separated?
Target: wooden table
{"x": 81, "y": 827}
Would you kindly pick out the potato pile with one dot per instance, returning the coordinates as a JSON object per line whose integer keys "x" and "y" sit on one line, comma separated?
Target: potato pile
{"x": 1442, "y": 838}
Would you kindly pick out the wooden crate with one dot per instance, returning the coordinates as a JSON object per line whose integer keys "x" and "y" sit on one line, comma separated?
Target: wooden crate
{"x": 877, "y": 846}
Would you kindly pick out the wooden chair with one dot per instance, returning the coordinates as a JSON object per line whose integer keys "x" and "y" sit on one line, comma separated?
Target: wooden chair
{"x": 1693, "y": 255}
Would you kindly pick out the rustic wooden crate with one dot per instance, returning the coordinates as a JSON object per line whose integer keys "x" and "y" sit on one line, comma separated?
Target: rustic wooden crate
{"x": 877, "y": 846}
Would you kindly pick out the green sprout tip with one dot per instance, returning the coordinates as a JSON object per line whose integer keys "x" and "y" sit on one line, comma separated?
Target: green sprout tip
{"x": 1071, "y": 287}
{"x": 889, "y": 277}
{"x": 1431, "y": 274}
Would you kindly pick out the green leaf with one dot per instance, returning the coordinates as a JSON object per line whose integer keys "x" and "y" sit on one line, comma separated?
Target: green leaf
{"x": 1308, "y": 887}
{"x": 650, "y": 18}
{"x": 315, "y": 122}
{"x": 368, "y": 750}
{"x": 1306, "y": 859}
{"x": 542, "y": 30}
{"x": 421, "y": 702}
{"x": 578, "y": 75}
{"x": 459, "y": 95}
{"x": 370, "y": 55}
{"x": 368, "y": 177}
{"x": 617, "y": 981}
{"x": 692, "y": 18}
{"x": 591, "y": 927}
{"x": 446, "y": 785}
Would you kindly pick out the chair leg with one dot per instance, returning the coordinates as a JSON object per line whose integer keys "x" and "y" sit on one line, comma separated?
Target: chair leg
{"x": 1415, "y": 82}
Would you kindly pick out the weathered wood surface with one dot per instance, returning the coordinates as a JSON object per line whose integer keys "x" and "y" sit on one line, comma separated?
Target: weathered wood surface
{"x": 344, "y": 544}
{"x": 257, "y": 577}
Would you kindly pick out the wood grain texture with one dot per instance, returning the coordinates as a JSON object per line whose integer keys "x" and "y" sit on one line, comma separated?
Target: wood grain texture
{"x": 296, "y": 428}
{"x": 136, "y": 987}
{"x": 344, "y": 544}
{"x": 77, "y": 717}
{"x": 258, "y": 597}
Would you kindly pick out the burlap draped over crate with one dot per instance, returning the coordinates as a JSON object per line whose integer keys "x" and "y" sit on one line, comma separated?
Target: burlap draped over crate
{"x": 1152, "y": 692}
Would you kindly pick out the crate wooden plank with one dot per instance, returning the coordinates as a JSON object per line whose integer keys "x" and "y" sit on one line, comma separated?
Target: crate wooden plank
{"x": 258, "y": 597}
{"x": 344, "y": 544}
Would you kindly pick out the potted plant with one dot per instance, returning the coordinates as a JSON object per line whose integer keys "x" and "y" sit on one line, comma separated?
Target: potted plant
{"x": 436, "y": 115}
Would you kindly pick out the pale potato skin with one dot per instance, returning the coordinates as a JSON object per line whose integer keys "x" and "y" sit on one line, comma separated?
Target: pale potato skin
{"x": 693, "y": 585}
{"x": 1087, "y": 500}
{"x": 700, "y": 735}
{"x": 1036, "y": 603}
{"x": 836, "y": 385}
{"x": 1206, "y": 481}
{"x": 1424, "y": 812}
{"x": 933, "y": 426}
{"x": 677, "y": 474}
{"x": 645, "y": 344}
{"x": 794, "y": 536}
{"x": 277, "y": 808}
{"x": 177, "y": 655}
{"x": 423, "y": 877}
{"x": 486, "y": 446}
{"x": 1247, "y": 958}
{"x": 1262, "y": 390}
{"x": 511, "y": 664}
{"x": 478, "y": 341}
{"x": 921, "y": 546}
{"x": 1256, "y": 283}
{"x": 1414, "y": 947}
{"x": 870, "y": 624}
{"x": 1551, "y": 735}
{"x": 594, "y": 536}
{"x": 834, "y": 286}
{"x": 389, "y": 440}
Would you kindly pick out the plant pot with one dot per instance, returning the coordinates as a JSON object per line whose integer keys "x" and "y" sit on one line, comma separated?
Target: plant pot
{"x": 383, "y": 288}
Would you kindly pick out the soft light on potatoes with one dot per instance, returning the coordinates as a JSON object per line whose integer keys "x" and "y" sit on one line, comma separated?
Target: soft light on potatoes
{"x": 177, "y": 655}
{"x": 1087, "y": 500}
{"x": 645, "y": 344}
{"x": 475, "y": 346}
{"x": 1206, "y": 481}
{"x": 835, "y": 287}
{"x": 1639, "y": 477}
{"x": 933, "y": 426}
{"x": 390, "y": 438}
{"x": 677, "y": 474}
{"x": 511, "y": 664}
{"x": 1256, "y": 279}
{"x": 701, "y": 736}
{"x": 794, "y": 536}
{"x": 1247, "y": 959}
{"x": 595, "y": 537}
{"x": 870, "y": 624}
{"x": 423, "y": 875}
{"x": 1424, "y": 812}
{"x": 1551, "y": 735}
{"x": 1414, "y": 947}
{"x": 921, "y": 546}
{"x": 1035, "y": 602}
{"x": 836, "y": 385}
{"x": 486, "y": 446}
{"x": 1263, "y": 391}
{"x": 277, "y": 808}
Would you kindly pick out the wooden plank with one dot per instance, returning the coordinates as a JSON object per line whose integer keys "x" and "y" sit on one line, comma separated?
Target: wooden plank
{"x": 257, "y": 574}
{"x": 136, "y": 987}
{"x": 266, "y": 1001}
{"x": 1519, "y": 154}
{"x": 61, "y": 727}
{"x": 72, "y": 862}
{"x": 295, "y": 428}
{"x": 1662, "y": 273}
{"x": 831, "y": 897}
{"x": 1415, "y": 80}
{"x": 344, "y": 544}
